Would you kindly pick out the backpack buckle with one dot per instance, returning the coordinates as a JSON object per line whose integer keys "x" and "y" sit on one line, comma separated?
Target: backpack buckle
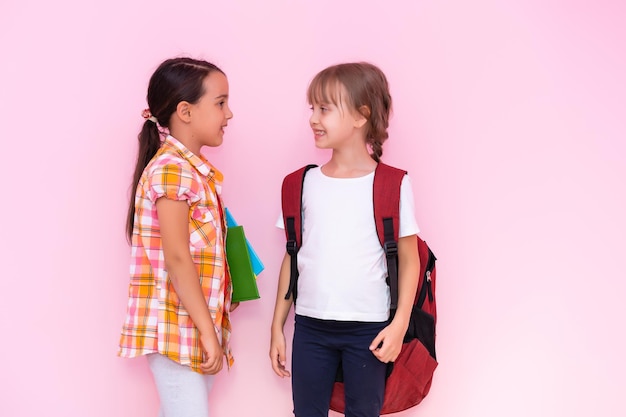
{"x": 291, "y": 247}
{"x": 391, "y": 249}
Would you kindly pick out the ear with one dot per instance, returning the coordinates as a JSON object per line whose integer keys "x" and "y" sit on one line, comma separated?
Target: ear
{"x": 361, "y": 116}
{"x": 183, "y": 111}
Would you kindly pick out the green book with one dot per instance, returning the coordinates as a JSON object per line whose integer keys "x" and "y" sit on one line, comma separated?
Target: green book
{"x": 257, "y": 265}
{"x": 240, "y": 266}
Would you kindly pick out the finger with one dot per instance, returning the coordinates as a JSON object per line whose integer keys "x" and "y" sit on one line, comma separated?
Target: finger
{"x": 207, "y": 367}
{"x": 279, "y": 363}
{"x": 377, "y": 343}
{"x": 283, "y": 372}
{"x": 378, "y": 354}
{"x": 278, "y": 371}
{"x": 208, "y": 359}
{"x": 275, "y": 364}
{"x": 390, "y": 354}
{"x": 212, "y": 364}
{"x": 278, "y": 366}
{"x": 282, "y": 356}
{"x": 213, "y": 368}
{"x": 382, "y": 351}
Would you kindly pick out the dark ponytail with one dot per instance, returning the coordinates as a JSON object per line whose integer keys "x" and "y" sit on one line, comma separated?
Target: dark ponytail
{"x": 149, "y": 144}
{"x": 175, "y": 80}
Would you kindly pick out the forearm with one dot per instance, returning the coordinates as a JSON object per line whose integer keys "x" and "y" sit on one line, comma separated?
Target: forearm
{"x": 174, "y": 222}
{"x": 184, "y": 277}
{"x": 408, "y": 278}
{"x": 282, "y": 306}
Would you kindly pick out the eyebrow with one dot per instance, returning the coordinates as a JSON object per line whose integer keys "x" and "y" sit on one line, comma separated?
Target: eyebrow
{"x": 221, "y": 97}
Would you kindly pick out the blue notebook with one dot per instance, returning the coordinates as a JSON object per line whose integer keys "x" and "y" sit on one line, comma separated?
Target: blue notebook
{"x": 257, "y": 265}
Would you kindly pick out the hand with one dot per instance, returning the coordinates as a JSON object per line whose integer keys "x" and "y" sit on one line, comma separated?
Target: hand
{"x": 387, "y": 345}
{"x": 233, "y": 306}
{"x": 278, "y": 354}
{"x": 213, "y": 354}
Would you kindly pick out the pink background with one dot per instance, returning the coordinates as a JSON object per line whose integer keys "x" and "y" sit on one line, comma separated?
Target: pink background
{"x": 509, "y": 116}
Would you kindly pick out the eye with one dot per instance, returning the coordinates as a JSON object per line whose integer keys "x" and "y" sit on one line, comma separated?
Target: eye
{"x": 322, "y": 108}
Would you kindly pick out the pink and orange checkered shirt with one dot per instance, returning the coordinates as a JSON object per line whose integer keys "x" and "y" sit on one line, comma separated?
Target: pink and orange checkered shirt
{"x": 156, "y": 321}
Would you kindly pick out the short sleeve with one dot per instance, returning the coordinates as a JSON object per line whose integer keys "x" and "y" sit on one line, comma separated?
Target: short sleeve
{"x": 280, "y": 222}
{"x": 408, "y": 224}
{"x": 174, "y": 182}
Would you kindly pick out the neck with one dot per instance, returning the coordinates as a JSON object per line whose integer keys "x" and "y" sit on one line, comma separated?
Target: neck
{"x": 349, "y": 163}
{"x": 186, "y": 140}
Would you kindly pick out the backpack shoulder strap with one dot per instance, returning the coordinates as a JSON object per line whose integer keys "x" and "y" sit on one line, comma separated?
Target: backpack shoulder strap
{"x": 387, "y": 182}
{"x": 291, "y": 198}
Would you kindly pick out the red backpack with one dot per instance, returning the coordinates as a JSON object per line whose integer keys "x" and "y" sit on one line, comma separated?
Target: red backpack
{"x": 412, "y": 372}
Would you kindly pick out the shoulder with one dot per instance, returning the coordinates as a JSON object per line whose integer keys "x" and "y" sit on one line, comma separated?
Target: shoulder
{"x": 295, "y": 179}
{"x": 168, "y": 174}
{"x": 388, "y": 174}
{"x": 300, "y": 172}
{"x": 169, "y": 164}
{"x": 163, "y": 159}
{"x": 388, "y": 169}
{"x": 387, "y": 179}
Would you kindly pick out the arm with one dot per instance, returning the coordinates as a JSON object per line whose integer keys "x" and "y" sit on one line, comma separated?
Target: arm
{"x": 278, "y": 354}
{"x": 174, "y": 221}
{"x": 408, "y": 276}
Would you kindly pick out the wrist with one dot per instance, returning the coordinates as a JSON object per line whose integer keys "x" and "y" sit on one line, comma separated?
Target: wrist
{"x": 401, "y": 319}
{"x": 208, "y": 331}
{"x": 276, "y": 328}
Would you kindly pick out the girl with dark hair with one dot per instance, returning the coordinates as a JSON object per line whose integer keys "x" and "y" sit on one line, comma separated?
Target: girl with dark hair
{"x": 179, "y": 298}
{"x": 342, "y": 314}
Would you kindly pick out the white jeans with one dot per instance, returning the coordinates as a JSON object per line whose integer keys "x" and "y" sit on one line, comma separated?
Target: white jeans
{"x": 183, "y": 392}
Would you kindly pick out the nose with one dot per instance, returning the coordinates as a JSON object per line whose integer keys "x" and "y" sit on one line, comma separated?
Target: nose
{"x": 313, "y": 120}
{"x": 229, "y": 113}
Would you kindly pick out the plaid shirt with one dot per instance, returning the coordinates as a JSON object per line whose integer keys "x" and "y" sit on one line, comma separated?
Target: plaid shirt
{"x": 156, "y": 321}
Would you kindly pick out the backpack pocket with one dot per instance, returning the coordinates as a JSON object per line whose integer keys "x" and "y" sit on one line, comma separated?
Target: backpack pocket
{"x": 422, "y": 327}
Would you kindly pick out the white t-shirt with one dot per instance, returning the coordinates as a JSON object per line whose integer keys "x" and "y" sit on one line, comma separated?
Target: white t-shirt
{"x": 341, "y": 263}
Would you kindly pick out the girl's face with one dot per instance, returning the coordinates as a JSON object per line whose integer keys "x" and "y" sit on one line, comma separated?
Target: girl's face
{"x": 334, "y": 124}
{"x": 210, "y": 115}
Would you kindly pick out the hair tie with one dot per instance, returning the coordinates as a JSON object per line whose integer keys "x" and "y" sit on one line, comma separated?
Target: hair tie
{"x": 148, "y": 116}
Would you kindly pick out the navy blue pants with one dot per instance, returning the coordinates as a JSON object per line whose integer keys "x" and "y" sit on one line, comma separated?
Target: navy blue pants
{"x": 319, "y": 346}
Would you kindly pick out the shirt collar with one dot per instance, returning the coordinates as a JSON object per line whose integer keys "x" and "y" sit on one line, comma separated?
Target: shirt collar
{"x": 203, "y": 166}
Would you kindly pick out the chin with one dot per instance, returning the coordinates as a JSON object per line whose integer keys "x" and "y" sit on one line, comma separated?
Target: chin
{"x": 215, "y": 142}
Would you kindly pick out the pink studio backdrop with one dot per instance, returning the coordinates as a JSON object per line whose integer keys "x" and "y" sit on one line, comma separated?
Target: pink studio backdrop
{"x": 510, "y": 117}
